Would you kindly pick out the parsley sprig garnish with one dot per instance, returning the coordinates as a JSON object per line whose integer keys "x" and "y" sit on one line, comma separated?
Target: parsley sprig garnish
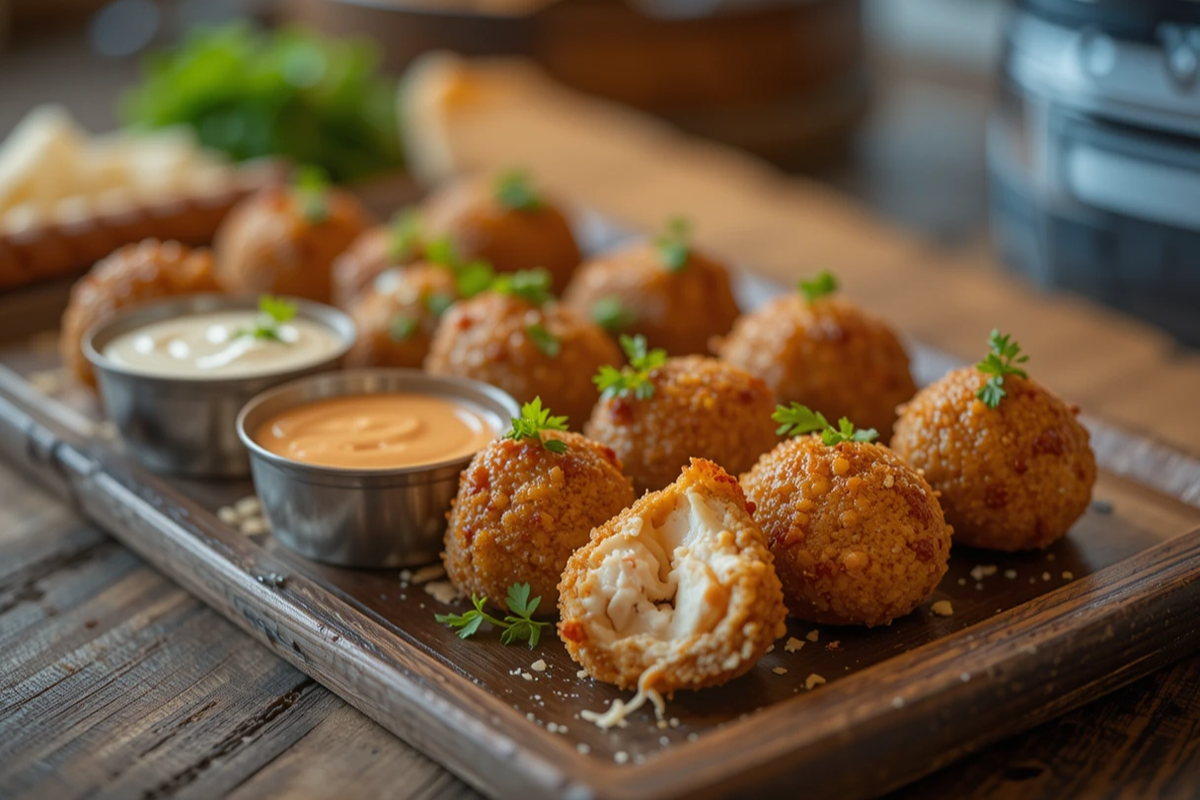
{"x": 998, "y": 363}
{"x": 404, "y": 235}
{"x": 514, "y": 191}
{"x": 533, "y": 420}
{"x": 634, "y": 377}
{"x": 272, "y": 312}
{"x": 674, "y": 244}
{"x": 823, "y": 285}
{"x": 547, "y": 342}
{"x": 310, "y": 187}
{"x": 531, "y": 285}
{"x": 402, "y": 327}
{"x": 516, "y": 626}
{"x": 796, "y": 420}
{"x": 610, "y": 314}
{"x": 470, "y": 277}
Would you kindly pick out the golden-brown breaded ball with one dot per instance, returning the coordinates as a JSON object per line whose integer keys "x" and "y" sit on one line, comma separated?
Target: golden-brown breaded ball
{"x": 397, "y": 316}
{"x": 695, "y": 407}
{"x": 1014, "y": 477}
{"x": 505, "y": 222}
{"x": 857, "y": 534}
{"x": 280, "y": 241}
{"x": 528, "y": 350}
{"x": 829, "y": 355}
{"x": 132, "y": 275}
{"x": 677, "y": 592}
{"x": 632, "y": 290}
{"x": 521, "y": 511}
{"x": 375, "y": 251}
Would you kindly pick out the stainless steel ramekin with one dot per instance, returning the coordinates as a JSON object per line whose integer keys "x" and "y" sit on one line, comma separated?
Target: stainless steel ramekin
{"x": 187, "y": 426}
{"x": 370, "y": 517}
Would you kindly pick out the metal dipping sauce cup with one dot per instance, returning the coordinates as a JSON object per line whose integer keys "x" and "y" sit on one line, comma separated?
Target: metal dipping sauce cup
{"x": 370, "y": 517}
{"x": 187, "y": 426}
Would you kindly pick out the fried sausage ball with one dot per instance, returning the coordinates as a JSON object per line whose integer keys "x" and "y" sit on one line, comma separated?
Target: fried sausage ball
{"x": 375, "y": 251}
{"x": 282, "y": 241}
{"x": 506, "y": 223}
{"x": 857, "y": 534}
{"x": 676, "y": 592}
{"x": 522, "y": 510}
{"x": 397, "y": 316}
{"x": 699, "y": 407}
{"x": 1014, "y": 477}
{"x": 134, "y": 274}
{"x": 829, "y": 355}
{"x": 632, "y": 290}
{"x": 526, "y": 349}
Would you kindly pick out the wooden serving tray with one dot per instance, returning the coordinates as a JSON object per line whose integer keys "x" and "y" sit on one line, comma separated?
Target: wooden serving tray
{"x": 1031, "y": 636}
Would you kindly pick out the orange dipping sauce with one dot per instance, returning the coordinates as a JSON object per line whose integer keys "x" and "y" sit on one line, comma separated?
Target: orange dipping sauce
{"x": 377, "y": 431}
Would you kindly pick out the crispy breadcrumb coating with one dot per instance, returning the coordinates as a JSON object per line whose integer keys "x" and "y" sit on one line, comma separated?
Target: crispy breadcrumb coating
{"x": 677, "y": 592}
{"x": 132, "y": 275}
{"x": 368, "y": 256}
{"x": 268, "y": 245}
{"x": 857, "y": 534}
{"x": 397, "y": 316}
{"x": 700, "y": 407}
{"x": 829, "y": 355}
{"x": 521, "y": 511}
{"x": 480, "y": 227}
{"x": 678, "y": 311}
{"x": 491, "y": 338}
{"x": 1015, "y": 477}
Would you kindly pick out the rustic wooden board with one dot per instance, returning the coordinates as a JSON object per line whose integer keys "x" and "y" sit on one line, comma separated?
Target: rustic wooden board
{"x": 1041, "y": 634}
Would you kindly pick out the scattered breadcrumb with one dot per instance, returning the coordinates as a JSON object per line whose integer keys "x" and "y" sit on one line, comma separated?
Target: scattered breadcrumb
{"x": 1068, "y": 575}
{"x": 620, "y": 757}
{"x": 583, "y": 748}
{"x": 429, "y": 573}
{"x": 228, "y": 515}
{"x": 526, "y": 676}
{"x": 1045, "y": 576}
{"x": 813, "y": 680}
{"x": 813, "y": 635}
{"x": 962, "y": 581}
{"x": 581, "y": 673}
{"x": 248, "y": 506}
{"x": 674, "y": 722}
{"x": 942, "y": 608}
{"x": 780, "y": 670}
{"x": 661, "y": 724}
{"x": 1010, "y": 574}
{"x": 253, "y": 526}
{"x": 793, "y": 644}
{"x": 981, "y": 571}
{"x": 834, "y": 645}
{"x": 539, "y": 665}
{"x": 405, "y": 575}
{"x": 770, "y": 648}
{"x": 442, "y": 591}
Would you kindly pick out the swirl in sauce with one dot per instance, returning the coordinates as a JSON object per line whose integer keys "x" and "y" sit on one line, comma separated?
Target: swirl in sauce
{"x": 207, "y": 345}
{"x": 377, "y": 431}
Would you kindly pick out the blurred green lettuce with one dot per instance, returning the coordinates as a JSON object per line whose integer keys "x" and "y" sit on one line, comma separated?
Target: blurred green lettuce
{"x": 287, "y": 93}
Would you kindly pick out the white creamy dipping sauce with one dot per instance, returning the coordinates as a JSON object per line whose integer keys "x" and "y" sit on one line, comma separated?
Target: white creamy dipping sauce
{"x": 212, "y": 345}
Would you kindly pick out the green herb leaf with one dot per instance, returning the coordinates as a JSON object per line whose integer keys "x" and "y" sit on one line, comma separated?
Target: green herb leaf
{"x": 634, "y": 377}
{"x": 533, "y": 420}
{"x": 674, "y": 244}
{"x": 1001, "y": 361}
{"x": 546, "y": 341}
{"x": 822, "y": 285}
{"x": 272, "y": 312}
{"x": 517, "y": 625}
{"x": 608, "y": 313}
{"x": 310, "y": 186}
{"x": 441, "y": 251}
{"x": 797, "y": 420}
{"x": 472, "y": 278}
{"x": 402, "y": 327}
{"x": 404, "y": 235}
{"x": 514, "y": 191}
{"x": 531, "y": 285}
{"x": 287, "y": 93}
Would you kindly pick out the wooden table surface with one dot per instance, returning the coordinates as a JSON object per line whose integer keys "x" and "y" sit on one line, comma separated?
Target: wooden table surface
{"x": 116, "y": 683}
